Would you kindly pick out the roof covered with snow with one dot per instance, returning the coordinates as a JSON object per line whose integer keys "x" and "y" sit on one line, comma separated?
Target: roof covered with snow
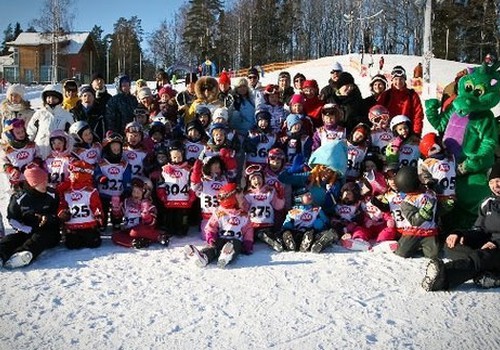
{"x": 75, "y": 40}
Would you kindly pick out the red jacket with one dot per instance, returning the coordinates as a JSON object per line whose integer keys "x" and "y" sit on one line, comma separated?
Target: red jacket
{"x": 405, "y": 102}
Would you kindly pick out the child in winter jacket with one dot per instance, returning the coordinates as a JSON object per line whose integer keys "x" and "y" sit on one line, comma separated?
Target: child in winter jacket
{"x": 357, "y": 147}
{"x": 229, "y": 231}
{"x": 263, "y": 201}
{"x": 174, "y": 190}
{"x": 80, "y": 208}
{"x": 330, "y": 130}
{"x": 305, "y": 226}
{"x": 134, "y": 150}
{"x": 14, "y": 107}
{"x": 403, "y": 149}
{"x": 86, "y": 146}
{"x": 381, "y": 134}
{"x": 32, "y": 213}
{"x": 296, "y": 141}
{"x": 418, "y": 207}
{"x": 139, "y": 216}
{"x": 273, "y": 105}
{"x": 207, "y": 178}
{"x": 49, "y": 118}
{"x": 219, "y": 144}
{"x": 19, "y": 151}
{"x": 261, "y": 138}
{"x": 195, "y": 140}
{"x": 113, "y": 175}
{"x": 58, "y": 160}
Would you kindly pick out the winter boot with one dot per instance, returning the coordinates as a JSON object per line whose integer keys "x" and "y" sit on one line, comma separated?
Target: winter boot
{"x": 163, "y": 239}
{"x": 141, "y": 243}
{"x": 435, "y": 277}
{"x": 488, "y": 280}
{"x": 19, "y": 259}
{"x": 226, "y": 255}
{"x": 307, "y": 240}
{"x": 289, "y": 241}
{"x": 324, "y": 240}
{"x": 273, "y": 243}
{"x": 201, "y": 258}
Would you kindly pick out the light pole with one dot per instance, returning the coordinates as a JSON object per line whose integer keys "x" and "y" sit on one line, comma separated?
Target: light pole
{"x": 108, "y": 47}
{"x": 349, "y": 18}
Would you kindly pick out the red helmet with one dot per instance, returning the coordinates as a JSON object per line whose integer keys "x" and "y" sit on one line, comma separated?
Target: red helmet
{"x": 227, "y": 196}
{"x": 378, "y": 114}
{"x": 277, "y": 153}
{"x": 429, "y": 145}
{"x": 81, "y": 166}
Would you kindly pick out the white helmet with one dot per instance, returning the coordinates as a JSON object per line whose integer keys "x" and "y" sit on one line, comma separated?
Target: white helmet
{"x": 76, "y": 129}
{"x": 221, "y": 112}
{"x": 398, "y": 119}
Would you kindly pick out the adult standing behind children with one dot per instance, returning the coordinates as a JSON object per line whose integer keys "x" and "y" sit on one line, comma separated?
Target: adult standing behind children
{"x": 400, "y": 100}
{"x": 327, "y": 93}
{"x": 102, "y": 96}
{"x": 120, "y": 108}
{"x": 49, "y": 118}
{"x": 88, "y": 110}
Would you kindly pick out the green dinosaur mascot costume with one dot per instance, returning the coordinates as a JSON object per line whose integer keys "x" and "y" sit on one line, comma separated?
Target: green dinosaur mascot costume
{"x": 470, "y": 132}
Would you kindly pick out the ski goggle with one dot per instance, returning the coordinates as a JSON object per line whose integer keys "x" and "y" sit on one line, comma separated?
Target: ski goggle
{"x": 254, "y": 169}
{"x": 226, "y": 195}
{"x": 398, "y": 72}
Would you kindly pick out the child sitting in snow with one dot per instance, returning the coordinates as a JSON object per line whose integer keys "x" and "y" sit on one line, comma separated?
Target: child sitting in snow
{"x": 263, "y": 201}
{"x": 80, "y": 208}
{"x": 32, "y": 213}
{"x": 174, "y": 190}
{"x": 139, "y": 216}
{"x": 229, "y": 231}
{"x": 86, "y": 146}
{"x": 19, "y": 151}
{"x": 58, "y": 159}
{"x": 305, "y": 226}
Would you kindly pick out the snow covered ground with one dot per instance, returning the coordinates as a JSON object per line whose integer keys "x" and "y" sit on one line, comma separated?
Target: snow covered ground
{"x": 117, "y": 298}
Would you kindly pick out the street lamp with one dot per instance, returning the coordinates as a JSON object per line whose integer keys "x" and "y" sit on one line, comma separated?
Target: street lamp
{"x": 108, "y": 47}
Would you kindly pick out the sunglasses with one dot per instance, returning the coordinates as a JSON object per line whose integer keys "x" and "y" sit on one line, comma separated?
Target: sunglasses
{"x": 252, "y": 77}
{"x": 299, "y": 79}
{"x": 330, "y": 112}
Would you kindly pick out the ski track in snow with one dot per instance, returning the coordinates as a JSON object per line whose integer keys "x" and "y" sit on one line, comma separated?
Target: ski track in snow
{"x": 117, "y": 298}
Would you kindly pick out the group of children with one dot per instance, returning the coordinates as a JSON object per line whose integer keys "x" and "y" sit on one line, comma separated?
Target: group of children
{"x": 156, "y": 180}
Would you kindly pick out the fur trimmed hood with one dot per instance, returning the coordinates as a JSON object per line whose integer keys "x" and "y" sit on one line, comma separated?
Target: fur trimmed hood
{"x": 211, "y": 84}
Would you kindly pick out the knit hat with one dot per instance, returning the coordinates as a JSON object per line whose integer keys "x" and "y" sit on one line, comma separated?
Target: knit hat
{"x": 35, "y": 175}
{"x": 253, "y": 71}
{"x": 242, "y": 82}
{"x": 291, "y": 120}
{"x": 310, "y": 84}
{"x": 398, "y": 71}
{"x": 96, "y": 76}
{"x": 378, "y": 77}
{"x": 271, "y": 89}
{"x": 495, "y": 171}
{"x": 284, "y": 74}
{"x": 224, "y": 78}
{"x": 221, "y": 112}
{"x": 297, "y": 98}
{"x": 427, "y": 143}
{"x": 86, "y": 88}
{"x": 337, "y": 67}
{"x": 144, "y": 92}
{"x": 345, "y": 78}
{"x": 15, "y": 89}
{"x": 167, "y": 90}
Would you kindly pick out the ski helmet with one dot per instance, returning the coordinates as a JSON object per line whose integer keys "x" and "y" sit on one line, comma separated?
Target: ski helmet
{"x": 406, "y": 179}
{"x": 429, "y": 145}
{"x": 399, "y": 119}
{"x": 227, "y": 196}
{"x": 77, "y": 128}
{"x": 377, "y": 115}
{"x": 254, "y": 169}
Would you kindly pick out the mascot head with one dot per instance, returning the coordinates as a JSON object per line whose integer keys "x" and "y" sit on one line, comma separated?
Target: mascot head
{"x": 479, "y": 90}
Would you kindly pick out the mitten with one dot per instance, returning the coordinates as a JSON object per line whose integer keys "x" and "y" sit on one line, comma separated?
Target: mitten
{"x": 396, "y": 143}
{"x": 103, "y": 180}
{"x": 196, "y": 172}
{"x": 432, "y": 107}
{"x": 64, "y": 215}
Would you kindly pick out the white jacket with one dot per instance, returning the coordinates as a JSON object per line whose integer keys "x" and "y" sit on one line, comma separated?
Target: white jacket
{"x": 43, "y": 122}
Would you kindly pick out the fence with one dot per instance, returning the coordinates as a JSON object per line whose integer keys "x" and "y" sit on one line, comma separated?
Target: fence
{"x": 271, "y": 67}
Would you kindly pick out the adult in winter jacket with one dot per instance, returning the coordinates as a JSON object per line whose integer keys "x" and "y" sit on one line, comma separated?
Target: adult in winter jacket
{"x": 15, "y": 106}
{"x": 378, "y": 85}
{"x": 474, "y": 253}
{"x": 88, "y": 110}
{"x": 312, "y": 102}
{"x": 49, "y": 118}
{"x": 185, "y": 98}
{"x": 327, "y": 93}
{"x": 349, "y": 99}
{"x": 242, "y": 118}
{"x": 102, "y": 96}
{"x": 206, "y": 89}
{"x": 32, "y": 213}
{"x": 120, "y": 108}
{"x": 286, "y": 89}
{"x": 400, "y": 100}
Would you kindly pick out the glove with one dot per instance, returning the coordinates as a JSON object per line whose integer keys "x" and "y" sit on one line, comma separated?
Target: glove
{"x": 298, "y": 164}
{"x": 396, "y": 143}
{"x": 103, "y": 180}
{"x": 280, "y": 190}
{"x": 64, "y": 215}
{"x": 228, "y": 159}
{"x": 432, "y": 107}
{"x": 196, "y": 173}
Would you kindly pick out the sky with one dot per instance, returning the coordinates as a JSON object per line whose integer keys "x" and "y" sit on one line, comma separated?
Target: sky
{"x": 91, "y": 12}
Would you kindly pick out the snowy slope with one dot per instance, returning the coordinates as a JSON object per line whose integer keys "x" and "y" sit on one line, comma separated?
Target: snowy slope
{"x": 117, "y": 298}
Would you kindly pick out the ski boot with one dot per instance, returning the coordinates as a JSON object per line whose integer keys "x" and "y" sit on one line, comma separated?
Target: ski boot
{"x": 141, "y": 243}
{"x": 307, "y": 240}
{"x": 191, "y": 251}
{"x": 488, "y": 280}
{"x": 435, "y": 277}
{"x": 289, "y": 241}
{"x": 163, "y": 239}
{"x": 273, "y": 243}
{"x": 226, "y": 255}
{"x": 19, "y": 259}
{"x": 325, "y": 239}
